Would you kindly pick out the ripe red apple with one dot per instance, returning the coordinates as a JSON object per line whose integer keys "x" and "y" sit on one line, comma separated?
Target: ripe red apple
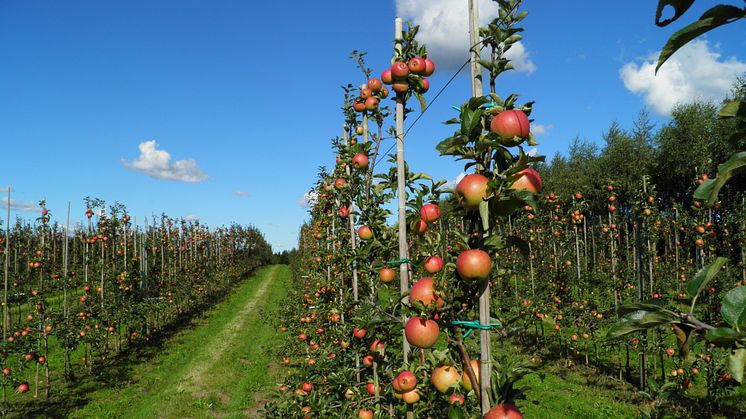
{"x": 399, "y": 70}
{"x": 434, "y": 264}
{"x": 343, "y": 212}
{"x": 529, "y": 180}
{"x": 365, "y": 93}
{"x": 386, "y": 77}
{"x": 429, "y": 67}
{"x": 377, "y": 346}
{"x": 445, "y": 377}
{"x": 375, "y": 85}
{"x": 430, "y": 213}
{"x": 420, "y": 227}
{"x": 358, "y": 332}
{"x": 417, "y": 65}
{"x": 371, "y": 387}
{"x": 358, "y": 106}
{"x": 465, "y": 380}
{"x": 456, "y": 399}
{"x": 411, "y": 397}
{"x": 424, "y": 292}
{"x": 307, "y": 387}
{"x": 365, "y": 233}
{"x": 22, "y": 388}
{"x": 471, "y": 190}
{"x": 422, "y": 87}
{"x": 384, "y": 93}
{"x": 504, "y": 411}
{"x": 387, "y": 275}
{"x": 360, "y": 161}
{"x": 407, "y": 381}
{"x": 6, "y": 371}
{"x": 510, "y": 123}
{"x": 473, "y": 265}
{"x": 422, "y": 333}
{"x": 371, "y": 103}
{"x": 340, "y": 183}
{"x": 365, "y": 414}
{"x": 400, "y": 86}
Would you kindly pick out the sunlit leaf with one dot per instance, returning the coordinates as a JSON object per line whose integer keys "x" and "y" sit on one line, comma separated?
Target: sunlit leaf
{"x": 704, "y": 276}
{"x": 736, "y": 363}
{"x": 733, "y": 307}
{"x": 711, "y": 19}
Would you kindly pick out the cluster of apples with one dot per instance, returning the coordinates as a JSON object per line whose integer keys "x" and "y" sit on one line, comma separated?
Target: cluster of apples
{"x": 402, "y": 75}
{"x": 429, "y": 213}
{"x": 370, "y": 95}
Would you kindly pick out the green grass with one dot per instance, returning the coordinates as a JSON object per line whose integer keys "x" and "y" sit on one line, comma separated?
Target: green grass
{"x": 216, "y": 368}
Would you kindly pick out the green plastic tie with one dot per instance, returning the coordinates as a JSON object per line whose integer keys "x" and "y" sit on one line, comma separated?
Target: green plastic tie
{"x": 474, "y": 324}
{"x": 400, "y": 261}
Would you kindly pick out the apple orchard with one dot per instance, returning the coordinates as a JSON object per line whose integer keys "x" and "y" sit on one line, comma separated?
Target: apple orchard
{"x": 447, "y": 310}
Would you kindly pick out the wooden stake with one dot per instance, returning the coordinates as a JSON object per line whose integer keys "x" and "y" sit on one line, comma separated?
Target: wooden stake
{"x": 401, "y": 191}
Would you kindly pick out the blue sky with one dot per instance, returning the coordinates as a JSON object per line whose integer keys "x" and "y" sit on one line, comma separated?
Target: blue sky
{"x": 224, "y": 110}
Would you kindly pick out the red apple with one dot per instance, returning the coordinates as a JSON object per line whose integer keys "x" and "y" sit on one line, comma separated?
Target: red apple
{"x": 365, "y": 414}
{"x": 422, "y": 333}
{"x": 365, "y": 233}
{"x": 424, "y": 292}
{"x": 430, "y": 213}
{"x": 420, "y": 227}
{"x": 358, "y": 106}
{"x": 343, "y": 212}
{"x": 429, "y": 67}
{"x": 510, "y": 123}
{"x": 417, "y": 65}
{"x": 307, "y": 387}
{"x": 375, "y": 85}
{"x": 472, "y": 190}
{"x": 386, "y": 77}
{"x": 360, "y": 161}
{"x": 411, "y": 397}
{"x": 422, "y": 87}
{"x": 445, "y": 377}
{"x": 473, "y": 265}
{"x": 456, "y": 399}
{"x": 529, "y": 180}
{"x": 340, "y": 183}
{"x": 371, "y": 104}
{"x": 22, "y": 388}
{"x": 387, "y": 275}
{"x": 434, "y": 264}
{"x": 400, "y": 87}
{"x": 365, "y": 93}
{"x": 399, "y": 70}
{"x": 465, "y": 380}
{"x": 504, "y": 411}
{"x": 407, "y": 381}
{"x": 358, "y": 332}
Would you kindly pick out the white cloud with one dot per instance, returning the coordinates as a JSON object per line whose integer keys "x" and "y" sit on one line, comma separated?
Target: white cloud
{"x": 25, "y": 206}
{"x": 191, "y": 217}
{"x": 240, "y": 194}
{"x": 539, "y": 129}
{"x": 444, "y": 28}
{"x": 696, "y": 71}
{"x": 451, "y": 184}
{"x": 308, "y": 199}
{"x": 157, "y": 164}
{"x": 533, "y": 152}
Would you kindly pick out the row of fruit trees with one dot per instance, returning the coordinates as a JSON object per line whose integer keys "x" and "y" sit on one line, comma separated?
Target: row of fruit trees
{"x": 635, "y": 290}
{"x": 74, "y": 298}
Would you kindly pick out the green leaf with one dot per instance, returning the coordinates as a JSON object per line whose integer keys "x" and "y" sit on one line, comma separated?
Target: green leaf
{"x": 455, "y": 412}
{"x": 683, "y": 333}
{"x": 736, "y": 363}
{"x": 708, "y": 191}
{"x": 733, "y": 307}
{"x": 711, "y": 19}
{"x": 705, "y": 275}
{"x": 495, "y": 242}
{"x": 724, "y": 336}
{"x": 732, "y": 109}
{"x": 484, "y": 214}
{"x": 469, "y": 120}
{"x": 638, "y": 321}
{"x": 650, "y": 305}
{"x": 421, "y": 99}
{"x": 680, "y": 6}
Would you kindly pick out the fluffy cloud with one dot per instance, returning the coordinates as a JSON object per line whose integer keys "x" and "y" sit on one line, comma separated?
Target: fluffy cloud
{"x": 308, "y": 199}
{"x": 539, "y": 129}
{"x": 444, "y": 28}
{"x": 25, "y": 206}
{"x": 696, "y": 71}
{"x": 240, "y": 194}
{"x": 157, "y": 164}
{"x": 191, "y": 217}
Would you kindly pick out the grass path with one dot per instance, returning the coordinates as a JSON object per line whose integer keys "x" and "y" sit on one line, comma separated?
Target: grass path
{"x": 215, "y": 369}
